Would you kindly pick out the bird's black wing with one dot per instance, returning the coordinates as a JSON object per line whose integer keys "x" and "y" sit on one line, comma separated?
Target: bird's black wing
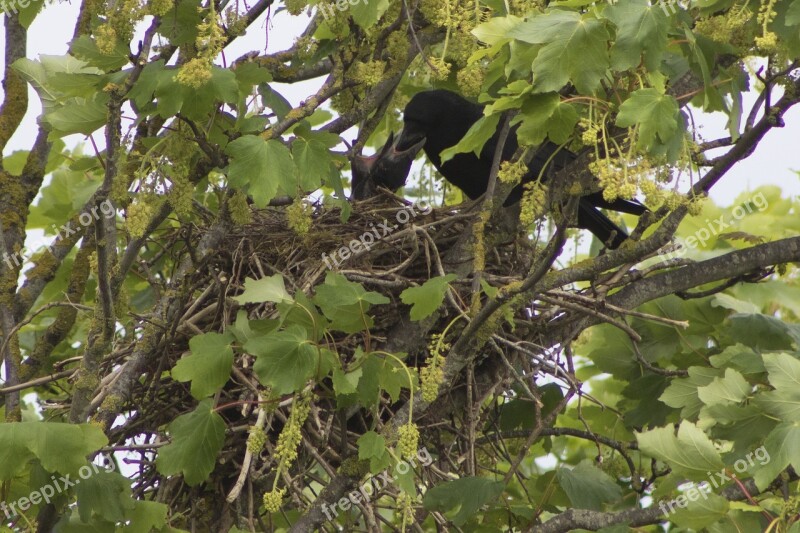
{"x": 631, "y": 207}
{"x": 600, "y": 225}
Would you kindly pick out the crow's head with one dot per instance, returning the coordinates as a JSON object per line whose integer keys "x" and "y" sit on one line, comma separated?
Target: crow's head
{"x": 435, "y": 120}
{"x": 424, "y": 114}
{"x": 388, "y": 168}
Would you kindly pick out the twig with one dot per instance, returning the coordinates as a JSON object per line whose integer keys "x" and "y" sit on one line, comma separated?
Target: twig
{"x": 248, "y": 457}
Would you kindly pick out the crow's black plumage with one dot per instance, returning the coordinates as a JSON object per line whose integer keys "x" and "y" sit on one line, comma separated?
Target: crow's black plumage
{"x": 442, "y": 118}
{"x": 438, "y": 119}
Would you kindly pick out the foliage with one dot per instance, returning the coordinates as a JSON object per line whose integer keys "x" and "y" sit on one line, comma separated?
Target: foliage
{"x": 183, "y": 327}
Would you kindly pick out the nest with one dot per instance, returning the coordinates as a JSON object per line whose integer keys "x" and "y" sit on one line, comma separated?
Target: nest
{"x": 387, "y": 244}
{"x": 407, "y": 250}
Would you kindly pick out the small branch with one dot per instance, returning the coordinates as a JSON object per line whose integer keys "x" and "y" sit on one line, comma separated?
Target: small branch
{"x": 586, "y": 310}
{"x": 654, "y": 369}
{"x": 38, "y": 381}
{"x": 248, "y": 457}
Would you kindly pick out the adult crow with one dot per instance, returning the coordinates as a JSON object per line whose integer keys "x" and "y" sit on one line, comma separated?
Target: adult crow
{"x": 438, "y": 119}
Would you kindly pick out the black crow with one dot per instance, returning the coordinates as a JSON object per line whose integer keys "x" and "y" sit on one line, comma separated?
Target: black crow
{"x": 387, "y": 167}
{"x": 438, "y": 119}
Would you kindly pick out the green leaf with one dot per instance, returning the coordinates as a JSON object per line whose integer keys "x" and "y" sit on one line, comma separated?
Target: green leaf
{"x": 655, "y": 113}
{"x": 147, "y": 516}
{"x": 249, "y": 75}
{"x": 303, "y": 312}
{"x": 108, "y": 494}
{"x": 313, "y": 161}
{"x": 180, "y": 26}
{"x": 544, "y": 115}
{"x": 611, "y": 351}
{"x": 371, "y": 446}
{"x": 785, "y": 405}
{"x": 224, "y": 85}
{"x": 497, "y": 29}
{"x": 77, "y": 85}
{"x": 641, "y": 30}
{"x": 346, "y": 383}
{"x": 575, "y": 50}
{"x": 703, "y": 508}
{"x": 152, "y": 75}
{"x": 393, "y": 376}
{"x": 729, "y": 302}
{"x": 489, "y": 290}
{"x": 269, "y": 289}
{"x": 67, "y": 192}
{"x": 366, "y": 13}
{"x": 588, "y": 487}
{"x": 209, "y": 364}
{"x": 244, "y": 329}
{"x": 427, "y": 298}
{"x": 782, "y": 448}
{"x": 762, "y": 332}
{"x": 690, "y": 453}
{"x": 285, "y": 360}
{"x": 27, "y": 10}
{"x": 195, "y": 103}
{"x": 60, "y": 447}
{"x": 731, "y": 389}
{"x": 79, "y": 115}
{"x": 793, "y": 14}
{"x": 461, "y": 499}
{"x": 346, "y": 303}
{"x": 85, "y": 48}
{"x": 475, "y": 138}
{"x": 197, "y": 438}
{"x": 784, "y": 371}
{"x": 384, "y": 373}
{"x": 516, "y": 413}
{"x": 275, "y": 101}
{"x": 259, "y": 166}
{"x": 40, "y": 74}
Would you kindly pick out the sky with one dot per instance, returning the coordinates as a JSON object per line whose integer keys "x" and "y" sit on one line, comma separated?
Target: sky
{"x": 772, "y": 163}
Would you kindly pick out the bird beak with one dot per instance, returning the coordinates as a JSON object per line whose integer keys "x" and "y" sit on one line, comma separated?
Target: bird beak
{"x": 407, "y": 144}
{"x": 388, "y": 168}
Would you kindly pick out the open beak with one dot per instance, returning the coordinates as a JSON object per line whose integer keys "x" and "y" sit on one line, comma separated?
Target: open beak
{"x": 407, "y": 144}
{"x": 388, "y": 168}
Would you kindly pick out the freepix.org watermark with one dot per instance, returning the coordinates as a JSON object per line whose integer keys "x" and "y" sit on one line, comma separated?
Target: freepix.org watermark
{"x": 717, "y": 479}
{"x": 369, "y": 238}
{"x": 327, "y": 9}
{"x": 13, "y": 6}
{"x": 375, "y": 484}
{"x": 57, "y": 485}
{"x": 715, "y": 227}
{"x": 667, "y": 6}
{"x": 84, "y": 219}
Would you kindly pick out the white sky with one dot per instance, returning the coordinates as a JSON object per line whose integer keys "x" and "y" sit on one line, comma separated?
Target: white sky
{"x": 772, "y": 163}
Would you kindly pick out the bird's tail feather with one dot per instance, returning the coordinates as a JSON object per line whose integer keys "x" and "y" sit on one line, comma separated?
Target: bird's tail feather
{"x": 631, "y": 207}
{"x": 599, "y": 224}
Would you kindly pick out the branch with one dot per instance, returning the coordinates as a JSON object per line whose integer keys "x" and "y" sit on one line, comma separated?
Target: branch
{"x": 101, "y": 333}
{"x": 746, "y": 144}
{"x": 15, "y": 89}
{"x": 145, "y": 353}
{"x": 573, "y": 519}
{"x": 637, "y": 293}
{"x": 379, "y": 92}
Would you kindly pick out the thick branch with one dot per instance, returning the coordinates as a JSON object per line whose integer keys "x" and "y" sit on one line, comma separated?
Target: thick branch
{"x": 573, "y": 519}
{"x": 15, "y": 89}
